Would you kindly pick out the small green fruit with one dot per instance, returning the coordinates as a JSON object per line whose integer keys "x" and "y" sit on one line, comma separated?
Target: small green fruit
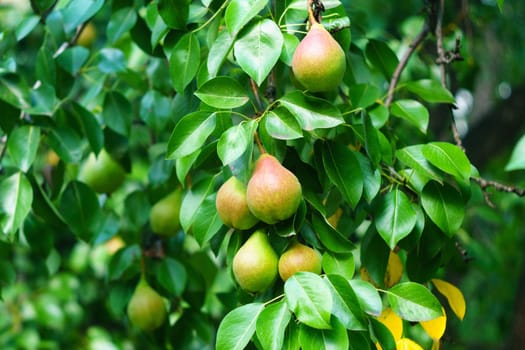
{"x": 255, "y": 264}
{"x": 232, "y": 206}
{"x": 146, "y": 309}
{"x": 164, "y": 215}
{"x": 299, "y": 257}
{"x": 319, "y": 62}
{"x": 103, "y": 174}
{"x": 273, "y": 192}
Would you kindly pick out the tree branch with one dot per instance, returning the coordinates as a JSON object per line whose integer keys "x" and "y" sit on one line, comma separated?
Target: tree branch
{"x": 402, "y": 64}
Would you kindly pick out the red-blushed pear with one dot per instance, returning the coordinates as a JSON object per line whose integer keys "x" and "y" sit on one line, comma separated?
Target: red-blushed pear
{"x": 232, "y": 206}
{"x": 255, "y": 263}
{"x": 164, "y": 215}
{"x": 273, "y": 192}
{"x": 146, "y": 309}
{"x": 299, "y": 257}
{"x": 319, "y": 62}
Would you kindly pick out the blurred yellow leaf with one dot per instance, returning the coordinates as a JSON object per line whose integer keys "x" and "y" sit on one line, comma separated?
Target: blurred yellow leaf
{"x": 455, "y": 298}
{"x": 394, "y": 270}
{"x": 436, "y": 345}
{"x": 435, "y": 328}
{"x": 393, "y": 322}
{"x": 407, "y": 344}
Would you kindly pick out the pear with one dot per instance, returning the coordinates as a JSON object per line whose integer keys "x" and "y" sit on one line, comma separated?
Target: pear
{"x": 102, "y": 173}
{"x": 299, "y": 257}
{"x": 164, "y": 215}
{"x": 319, "y": 62}
{"x": 255, "y": 263}
{"x": 232, "y": 207}
{"x": 273, "y": 192}
{"x": 146, "y": 309}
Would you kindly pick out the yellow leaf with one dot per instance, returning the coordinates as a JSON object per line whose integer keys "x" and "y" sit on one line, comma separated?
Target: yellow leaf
{"x": 436, "y": 345}
{"x": 435, "y": 328}
{"x": 393, "y": 322}
{"x": 407, "y": 344}
{"x": 394, "y": 270}
{"x": 378, "y": 346}
{"x": 365, "y": 276}
{"x": 455, "y": 298}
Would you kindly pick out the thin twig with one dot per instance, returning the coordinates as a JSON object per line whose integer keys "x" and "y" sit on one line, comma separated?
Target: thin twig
{"x": 484, "y": 184}
{"x": 255, "y": 90}
{"x": 402, "y": 64}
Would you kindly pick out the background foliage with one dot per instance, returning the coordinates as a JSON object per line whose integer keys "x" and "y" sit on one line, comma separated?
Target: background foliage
{"x": 175, "y": 91}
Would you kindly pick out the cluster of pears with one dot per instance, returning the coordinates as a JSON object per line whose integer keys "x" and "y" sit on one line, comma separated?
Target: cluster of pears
{"x": 319, "y": 62}
{"x": 273, "y": 194}
{"x": 146, "y": 309}
{"x": 256, "y": 265}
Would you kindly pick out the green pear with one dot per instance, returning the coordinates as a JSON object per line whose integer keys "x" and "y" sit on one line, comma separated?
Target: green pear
{"x": 232, "y": 206}
{"x": 255, "y": 263}
{"x": 164, "y": 215}
{"x": 146, "y": 309}
{"x": 273, "y": 192}
{"x": 102, "y": 173}
{"x": 319, "y": 62}
{"x": 299, "y": 257}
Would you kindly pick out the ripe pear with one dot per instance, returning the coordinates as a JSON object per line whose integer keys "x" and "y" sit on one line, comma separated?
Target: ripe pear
{"x": 102, "y": 173}
{"x": 232, "y": 206}
{"x": 255, "y": 263}
{"x": 299, "y": 257}
{"x": 164, "y": 215}
{"x": 273, "y": 192}
{"x": 319, "y": 62}
{"x": 146, "y": 309}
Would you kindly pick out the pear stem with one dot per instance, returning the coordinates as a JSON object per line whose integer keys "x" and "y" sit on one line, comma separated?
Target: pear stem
{"x": 315, "y": 7}
{"x": 259, "y": 143}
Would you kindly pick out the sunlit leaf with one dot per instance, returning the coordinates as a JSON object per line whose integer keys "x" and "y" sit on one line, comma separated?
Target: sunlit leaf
{"x": 238, "y": 326}
{"x": 448, "y": 157}
{"x": 435, "y": 328}
{"x": 190, "y": 134}
{"x": 311, "y": 112}
{"x": 223, "y": 93}
{"x": 16, "y": 197}
{"x": 517, "y": 158}
{"x": 22, "y": 145}
{"x": 240, "y": 12}
{"x": 393, "y": 322}
{"x": 271, "y": 325}
{"x": 413, "y": 302}
{"x": 455, "y": 298}
{"x": 184, "y": 61}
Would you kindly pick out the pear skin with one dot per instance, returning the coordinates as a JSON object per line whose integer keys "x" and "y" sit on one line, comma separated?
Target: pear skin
{"x": 319, "y": 62}
{"x": 146, "y": 309}
{"x": 102, "y": 173}
{"x": 164, "y": 215}
{"x": 232, "y": 206}
{"x": 273, "y": 192}
{"x": 255, "y": 263}
{"x": 299, "y": 257}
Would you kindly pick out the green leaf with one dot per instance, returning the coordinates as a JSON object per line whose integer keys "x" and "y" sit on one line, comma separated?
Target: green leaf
{"x": 206, "y": 220}
{"x": 80, "y": 209}
{"x": 372, "y": 146}
{"x": 331, "y": 238}
{"x": 444, "y": 205}
{"x": 14, "y": 91}
{"x": 16, "y": 197}
{"x": 238, "y": 326}
{"x": 281, "y": 124}
{"x": 22, "y": 146}
{"x": 346, "y": 305}
{"x": 190, "y": 134}
{"x": 309, "y": 299}
{"x": 258, "y": 49}
{"x": 117, "y": 113}
{"x": 382, "y": 334}
{"x": 363, "y": 95}
{"x": 155, "y": 110}
{"x": 342, "y": 167}
{"x": 412, "y": 156}
{"x": 413, "y": 302}
{"x": 79, "y": 11}
{"x": 367, "y": 296}
{"x": 192, "y": 200}
{"x": 219, "y": 51}
{"x": 500, "y": 5}
{"x": 324, "y": 339}
{"x": 339, "y": 263}
{"x": 184, "y": 61}
{"x": 121, "y": 22}
{"x": 67, "y": 144}
{"x": 371, "y": 177}
{"x": 43, "y": 100}
{"x": 431, "y": 91}
{"x": 449, "y": 158}
{"x": 234, "y": 142}
{"x": 311, "y": 112}
{"x": 72, "y": 59}
{"x": 90, "y": 127}
{"x": 412, "y": 111}
{"x": 240, "y": 12}
{"x": 381, "y": 57}
{"x": 291, "y": 337}
{"x": 125, "y": 262}
{"x": 174, "y": 12}
{"x": 111, "y": 60}
{"x": 290, "y": 43}
{"x": 271, "y": 325}
{"x": 222, "y": 93}
{"x": 171, "y": 275}
{"x": 517, "y": 158}
{"x": 394, "y": 217}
